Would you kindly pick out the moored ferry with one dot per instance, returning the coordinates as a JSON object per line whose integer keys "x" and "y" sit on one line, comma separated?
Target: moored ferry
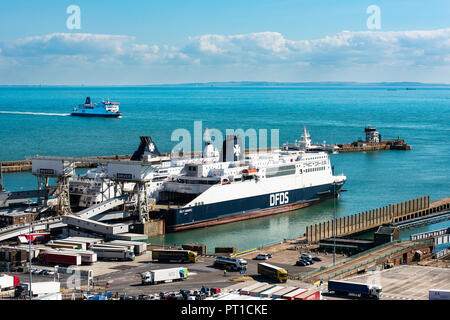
{"x": 105, "y": 109}
{"x": 243, "y": 186}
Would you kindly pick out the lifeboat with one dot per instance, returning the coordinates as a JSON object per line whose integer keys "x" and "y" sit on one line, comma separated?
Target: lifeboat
{"x": 249, "y": 171}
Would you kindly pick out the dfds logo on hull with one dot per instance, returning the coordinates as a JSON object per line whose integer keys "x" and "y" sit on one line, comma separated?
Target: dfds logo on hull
{"x": 279, "y": 198}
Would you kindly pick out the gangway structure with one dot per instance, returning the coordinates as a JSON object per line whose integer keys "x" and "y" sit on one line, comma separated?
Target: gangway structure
{"x": 46, "y": 167}
{"x": 102, "y": 207}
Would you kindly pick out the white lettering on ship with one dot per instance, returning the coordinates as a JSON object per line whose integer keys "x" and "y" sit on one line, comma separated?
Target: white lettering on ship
{"x": 279, "y": 198}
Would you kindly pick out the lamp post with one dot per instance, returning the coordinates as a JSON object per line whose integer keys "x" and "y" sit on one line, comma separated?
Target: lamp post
{"x": 334, "y": 222}
{"x": 29, "y": 246}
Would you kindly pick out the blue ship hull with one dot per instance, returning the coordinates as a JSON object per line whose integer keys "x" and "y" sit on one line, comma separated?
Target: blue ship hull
{"x": 245, "y": 208}
{"x": 103, "y": 115}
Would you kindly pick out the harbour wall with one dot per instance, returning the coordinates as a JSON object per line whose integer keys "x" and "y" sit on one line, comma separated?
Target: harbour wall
{"x": 368, "y": 220}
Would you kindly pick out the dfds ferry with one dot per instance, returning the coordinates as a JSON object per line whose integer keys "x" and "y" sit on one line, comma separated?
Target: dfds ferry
{"x": 243, "y": 186}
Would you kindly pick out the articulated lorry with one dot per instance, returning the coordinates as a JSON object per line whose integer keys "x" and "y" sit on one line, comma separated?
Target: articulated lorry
{"x": 230, "y": 263}
{"x": 273, "y": 272}
{"x": 164, "y": 275}
{"x": 113, "y": 253}
{"x": 346, "y": 287}
{"x": 175, "y": 255}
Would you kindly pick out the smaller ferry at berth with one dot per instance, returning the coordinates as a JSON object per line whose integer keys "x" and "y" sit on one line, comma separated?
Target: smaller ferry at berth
{"x": 105, "y": 109}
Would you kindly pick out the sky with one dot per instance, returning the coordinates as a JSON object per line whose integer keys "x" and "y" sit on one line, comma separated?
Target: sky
{"x": 137, "y": 42}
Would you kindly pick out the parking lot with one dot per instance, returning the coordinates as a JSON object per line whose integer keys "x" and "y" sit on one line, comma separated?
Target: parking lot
{"x": 407, "y": 282}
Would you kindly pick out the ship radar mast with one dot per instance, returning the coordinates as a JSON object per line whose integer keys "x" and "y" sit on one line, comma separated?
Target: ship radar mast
{"x": 305, "y": 142}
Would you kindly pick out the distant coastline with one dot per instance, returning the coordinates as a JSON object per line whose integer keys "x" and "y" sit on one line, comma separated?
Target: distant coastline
{"x": 344, "y": 84}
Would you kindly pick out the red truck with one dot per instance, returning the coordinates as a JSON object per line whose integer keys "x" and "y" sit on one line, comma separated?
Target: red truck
{"x": 61, "y": 258}
{"x": 40, "y": 237}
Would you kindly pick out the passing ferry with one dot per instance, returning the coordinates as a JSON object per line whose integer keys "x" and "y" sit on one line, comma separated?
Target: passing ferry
{"x": 244, "y": 186}
{"x": 105, "y": 109}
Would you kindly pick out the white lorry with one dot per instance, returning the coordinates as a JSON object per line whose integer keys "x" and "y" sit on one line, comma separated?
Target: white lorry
{"x": 119, "y": 253}
{"x": 8, "y": 282}
{"x": 164, "y": 275}
{"x": 42, "y": 288}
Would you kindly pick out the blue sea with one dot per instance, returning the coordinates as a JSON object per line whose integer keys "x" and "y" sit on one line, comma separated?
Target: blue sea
{"x": 35, "y": 120}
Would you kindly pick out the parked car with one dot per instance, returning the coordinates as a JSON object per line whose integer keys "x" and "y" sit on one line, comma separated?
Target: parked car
{"x": 316, "y": 259}
{"x": 163, "y": 295}
{"x": 305, "y": 261}
{"x": 305, "y": 255}
{"x": 143, "y": 297}
{"x": 215, "y": 290}
{"x": 185, "y": 293}
{"x": 301, "y": 263}
{"x": 175, "y": 296}
{"x": 206, "y": 291}
{"x": 263, "y": 256}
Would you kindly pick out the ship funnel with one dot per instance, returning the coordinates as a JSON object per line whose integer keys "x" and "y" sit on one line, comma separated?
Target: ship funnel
{"x": 146, "y": 148}
{"x": 232, "y": 149}
{"x": 88, "y": 100}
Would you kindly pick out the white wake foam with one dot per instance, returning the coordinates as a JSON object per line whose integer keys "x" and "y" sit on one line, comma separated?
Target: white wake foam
{"x": 36, "y": 113}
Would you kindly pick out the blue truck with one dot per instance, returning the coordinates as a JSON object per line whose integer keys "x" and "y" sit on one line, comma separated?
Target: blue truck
{"x": 346, "y": 287}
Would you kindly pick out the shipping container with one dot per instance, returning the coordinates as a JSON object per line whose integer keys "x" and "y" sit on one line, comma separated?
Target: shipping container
{"x": 313, "y": 294}
{"x": 60, "y": 258}
{"x": 291, "y": 295}
{"x": 246, "y": 290}
{"x": 269, "y": 293}
{"x": 283, "y": 291}
{"x": 257, "y": 291}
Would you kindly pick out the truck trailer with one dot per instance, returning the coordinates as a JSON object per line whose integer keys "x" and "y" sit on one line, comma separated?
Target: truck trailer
{"x": 175, "y": 255}
{"x": 87, "y": 256}
{"x": 113, "y": 253}
{"x": 346, "y": 287}
{"x": 42, "y": 288}
{"x": 273, "y": 272}
{"x": 164, "y": 275}
{"x": 60, "y": 258}
{"x": 139, "y": 247}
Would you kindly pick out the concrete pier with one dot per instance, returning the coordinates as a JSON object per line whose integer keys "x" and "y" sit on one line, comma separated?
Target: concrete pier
{"x": 392, "y": 213}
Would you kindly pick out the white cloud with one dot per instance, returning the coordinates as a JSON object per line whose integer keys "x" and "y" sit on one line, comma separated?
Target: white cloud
{"x": 364, "y": 47}
{"x": 345, "y": 51}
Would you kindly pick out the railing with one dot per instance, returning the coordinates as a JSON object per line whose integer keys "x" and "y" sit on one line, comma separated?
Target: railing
{"x": 337, "y": 273}
{"x": 370, "y": 261}
{"x": 442, "y": 253}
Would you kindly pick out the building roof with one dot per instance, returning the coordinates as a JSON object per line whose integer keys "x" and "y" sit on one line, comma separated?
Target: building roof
{"x": 386, "y": 230}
